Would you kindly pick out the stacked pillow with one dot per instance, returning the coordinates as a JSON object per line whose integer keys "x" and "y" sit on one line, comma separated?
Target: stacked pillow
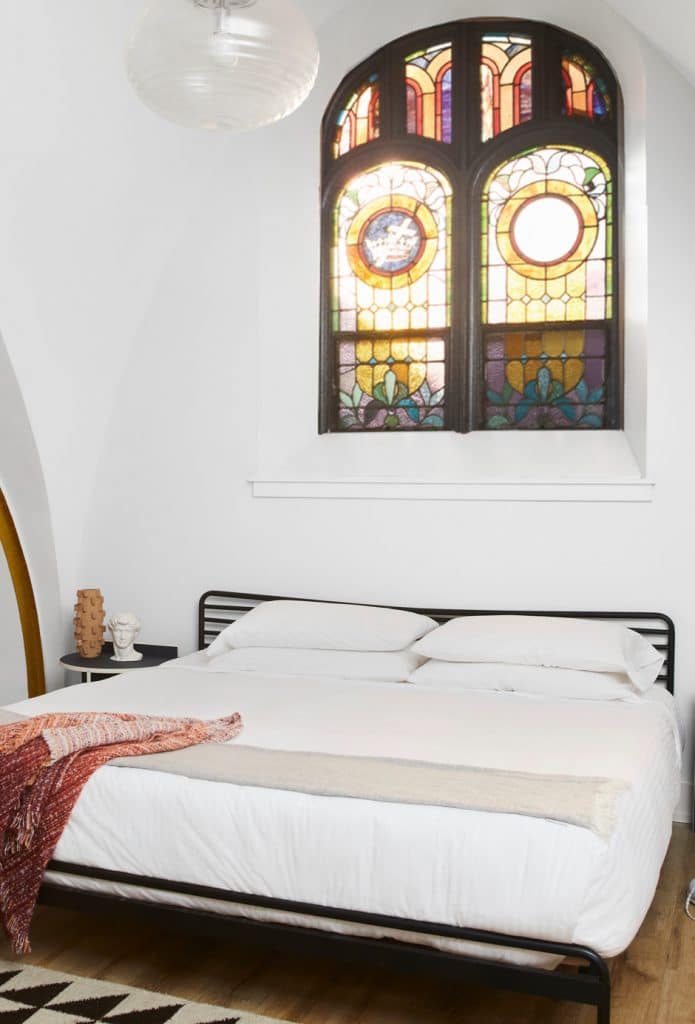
{"x": 538, "y": 654}
{"x": 316, "y": 638}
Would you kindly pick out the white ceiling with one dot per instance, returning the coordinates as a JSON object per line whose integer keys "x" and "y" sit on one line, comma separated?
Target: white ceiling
{"x": 669, "y": 24}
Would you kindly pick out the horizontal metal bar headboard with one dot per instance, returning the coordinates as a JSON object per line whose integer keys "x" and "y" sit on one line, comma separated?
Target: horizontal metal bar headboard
{"x": 219, "y": 608}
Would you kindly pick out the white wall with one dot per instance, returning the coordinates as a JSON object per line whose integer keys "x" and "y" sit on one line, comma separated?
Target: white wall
{"x": 164, "y": 291}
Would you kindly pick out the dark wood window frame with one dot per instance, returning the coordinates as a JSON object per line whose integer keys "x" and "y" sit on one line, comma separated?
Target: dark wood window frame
{"x": 467, "y": 162}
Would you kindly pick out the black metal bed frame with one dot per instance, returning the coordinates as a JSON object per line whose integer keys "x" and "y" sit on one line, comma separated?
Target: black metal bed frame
{"x": 585, "y": 979}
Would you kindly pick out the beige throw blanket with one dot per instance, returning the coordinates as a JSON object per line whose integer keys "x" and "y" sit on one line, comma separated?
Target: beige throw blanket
{"x": 587, "y": 802}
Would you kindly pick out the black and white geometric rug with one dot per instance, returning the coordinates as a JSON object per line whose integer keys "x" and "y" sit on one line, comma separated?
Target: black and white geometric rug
{"x": 38, "y": 996}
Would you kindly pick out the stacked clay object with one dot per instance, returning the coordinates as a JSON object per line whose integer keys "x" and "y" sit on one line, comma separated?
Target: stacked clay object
{"x": 89, "y": 623}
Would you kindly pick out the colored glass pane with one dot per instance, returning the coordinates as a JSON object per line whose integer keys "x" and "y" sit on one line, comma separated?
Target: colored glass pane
{"x": 428, "y": 80}
{"x": 358, "y": 121}
{"x": 391, "y": 251}
{"x": 545, "y": 379}
{"x": 506, "y": 69}
{"x": 391, "y": 384}
{"x": 547, "y": 223}
{"x": 586, "y": 93}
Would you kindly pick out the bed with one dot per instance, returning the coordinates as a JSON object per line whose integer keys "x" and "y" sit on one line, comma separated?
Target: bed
{"x": 522, "y": 903}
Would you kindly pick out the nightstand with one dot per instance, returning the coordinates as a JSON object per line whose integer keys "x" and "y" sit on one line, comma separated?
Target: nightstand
{"x": 104, "y": 668}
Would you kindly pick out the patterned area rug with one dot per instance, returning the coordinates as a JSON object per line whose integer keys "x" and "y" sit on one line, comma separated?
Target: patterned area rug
{"x": 47, "y": 997}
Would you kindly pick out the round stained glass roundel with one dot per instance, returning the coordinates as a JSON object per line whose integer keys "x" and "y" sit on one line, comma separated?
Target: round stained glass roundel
{"x": 392, "y": 242}
{"x": 546, "y": 230}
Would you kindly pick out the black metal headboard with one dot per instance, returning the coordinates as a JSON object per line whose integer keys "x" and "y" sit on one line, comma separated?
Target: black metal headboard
{"x": 219, "y": 608}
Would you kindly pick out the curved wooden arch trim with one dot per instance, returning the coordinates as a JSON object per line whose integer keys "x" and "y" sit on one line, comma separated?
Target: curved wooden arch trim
{"x": 26, "y": 602}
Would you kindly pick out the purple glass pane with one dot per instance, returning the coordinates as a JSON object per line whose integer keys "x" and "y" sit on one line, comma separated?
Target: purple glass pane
{"x": 446, "y": 107}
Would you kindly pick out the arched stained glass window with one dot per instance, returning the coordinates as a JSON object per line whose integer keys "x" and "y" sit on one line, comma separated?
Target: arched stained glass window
{"x": 506, "y": 70}
{"x": 546, "y": 259}
{"x": 428, "y": 78}
{"x": 358, "y": 121}
{"x": 586, "y": 92}
{"x": 390, "y": 296}
{"x": 470, "y": 226}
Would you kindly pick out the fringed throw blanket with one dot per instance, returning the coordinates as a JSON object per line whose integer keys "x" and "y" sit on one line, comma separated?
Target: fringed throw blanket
{"x": 45, "y": 763}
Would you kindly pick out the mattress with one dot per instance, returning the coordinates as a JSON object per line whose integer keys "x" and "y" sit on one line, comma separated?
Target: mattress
{"x": 498, "y": 872}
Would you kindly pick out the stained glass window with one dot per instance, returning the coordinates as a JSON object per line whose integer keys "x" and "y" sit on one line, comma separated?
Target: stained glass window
{"x": 586, "y": 92}
{"x": 391, "y": 250}
{"x": 358, "y": 121}
{"x": 428, "y": 76}
{"x": 506, "y": 68}
{"x": 547, "y": 224}
{"x": 390, "y": 273}
{"x": 545, "y": 378}
{"x": 392, "y": 384}
{"x": 471, "y": 235}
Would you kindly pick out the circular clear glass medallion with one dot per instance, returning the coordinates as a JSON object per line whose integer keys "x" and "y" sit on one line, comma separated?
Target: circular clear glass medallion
{"x": 547, "y": 229}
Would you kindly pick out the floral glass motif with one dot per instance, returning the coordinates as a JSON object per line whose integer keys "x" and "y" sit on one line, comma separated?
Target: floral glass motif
{"x": 428, "y": 79}
{"x": 391, "y": 252}
{"x": 547, "y": 238}
{"x": 358, "y": 121}
{"x": 506, "y": 69}
{"x": 392, "y": 384}
{"x": 545, "y": 379}
{"x": 586, "y": 93}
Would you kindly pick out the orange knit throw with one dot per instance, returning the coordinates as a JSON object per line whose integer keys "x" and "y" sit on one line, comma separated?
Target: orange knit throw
{"x": 45, "y": 763}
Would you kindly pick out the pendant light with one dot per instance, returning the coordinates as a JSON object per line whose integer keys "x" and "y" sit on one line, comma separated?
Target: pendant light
{"x": 230, "y": 64}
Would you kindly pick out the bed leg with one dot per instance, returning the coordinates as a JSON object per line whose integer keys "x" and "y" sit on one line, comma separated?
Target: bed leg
{"x": 603, "y": 1009}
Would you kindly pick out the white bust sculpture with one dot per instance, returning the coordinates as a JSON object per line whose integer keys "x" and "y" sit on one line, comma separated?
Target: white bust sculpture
{"x": 124, "y": 628}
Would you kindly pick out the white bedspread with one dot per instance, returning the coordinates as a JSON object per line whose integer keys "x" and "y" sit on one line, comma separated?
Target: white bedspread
{"x": 498, "y": 872}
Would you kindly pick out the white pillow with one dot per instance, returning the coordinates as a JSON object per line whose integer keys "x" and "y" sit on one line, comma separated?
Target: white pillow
{"x": 325, "y": 627}
{"x": 551, "y": 642}
{"x": 387, "y": 666}
{"x": 555, "y": 682}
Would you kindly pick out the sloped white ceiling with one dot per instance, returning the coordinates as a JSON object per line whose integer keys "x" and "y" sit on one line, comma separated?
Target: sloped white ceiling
{"x": 669, "y": 24}
{"x": 319, "y": 11}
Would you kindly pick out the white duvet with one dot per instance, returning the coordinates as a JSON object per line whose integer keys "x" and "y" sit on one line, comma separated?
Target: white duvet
{"x": 499, "y": 872}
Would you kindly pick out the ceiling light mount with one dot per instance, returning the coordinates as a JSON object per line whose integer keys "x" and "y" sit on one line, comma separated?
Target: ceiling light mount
{"x": 216, "y": 5}
{"x": 222, "y": 64}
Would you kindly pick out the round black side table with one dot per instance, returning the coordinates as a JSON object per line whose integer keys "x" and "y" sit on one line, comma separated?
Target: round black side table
{"x": 103, "y": 667}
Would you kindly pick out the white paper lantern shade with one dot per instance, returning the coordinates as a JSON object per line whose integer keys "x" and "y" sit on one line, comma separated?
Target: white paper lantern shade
{"x": 230, "y": 64}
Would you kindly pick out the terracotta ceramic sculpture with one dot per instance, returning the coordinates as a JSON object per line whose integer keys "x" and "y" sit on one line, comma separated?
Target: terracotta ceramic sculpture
{"x": 89, "y": 623}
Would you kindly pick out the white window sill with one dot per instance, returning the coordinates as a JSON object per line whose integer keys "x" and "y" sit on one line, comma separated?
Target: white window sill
{"x": 595, "y": 466}
{"x": 385, "y": 489}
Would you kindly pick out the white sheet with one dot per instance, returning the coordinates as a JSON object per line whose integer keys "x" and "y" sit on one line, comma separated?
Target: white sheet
{"x": 498, "y": 872}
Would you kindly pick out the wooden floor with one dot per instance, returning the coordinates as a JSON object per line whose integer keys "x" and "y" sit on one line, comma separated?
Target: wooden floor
{"x": 654, "y": 982}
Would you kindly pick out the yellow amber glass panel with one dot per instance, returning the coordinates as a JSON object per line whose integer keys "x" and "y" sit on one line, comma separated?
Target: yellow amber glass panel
{"x": 553, "y": 344}
{"x": 536, "y": 312}
{"x": 534, "y": 345}
{"x": 556, "y": 310}
{"x": 574, "y": 343}
{"x": 515, "y": 375}
{"x": 574, "y": 371}
{"x": 576, "y": 309}
{"x": 515, "y": 346}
